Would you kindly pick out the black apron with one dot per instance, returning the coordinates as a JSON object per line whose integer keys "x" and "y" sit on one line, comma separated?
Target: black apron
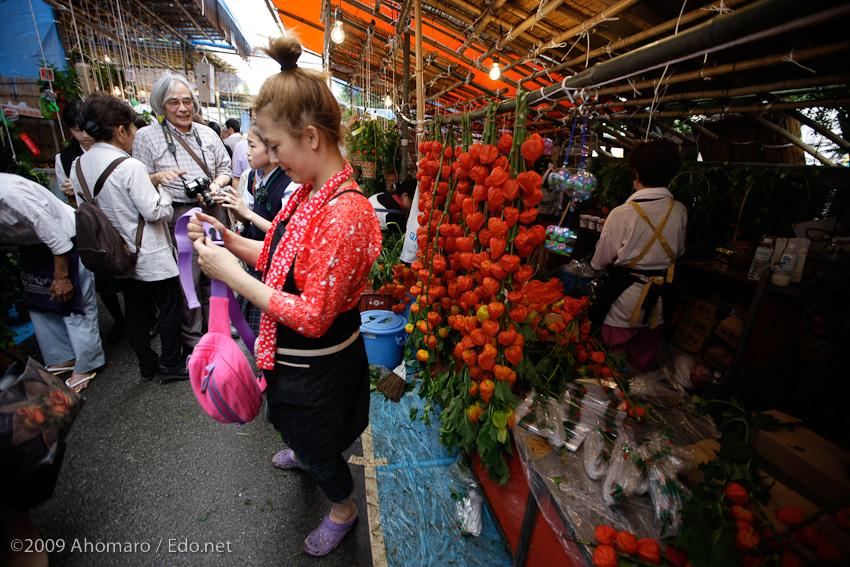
{"x": 320, "y": 404}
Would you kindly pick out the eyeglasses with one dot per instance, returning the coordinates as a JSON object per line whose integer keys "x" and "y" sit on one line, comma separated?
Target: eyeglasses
{"x": 175, "y": 103}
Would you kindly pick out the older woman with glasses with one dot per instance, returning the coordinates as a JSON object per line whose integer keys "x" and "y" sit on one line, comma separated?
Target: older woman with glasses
{"x": 203, "y": 166}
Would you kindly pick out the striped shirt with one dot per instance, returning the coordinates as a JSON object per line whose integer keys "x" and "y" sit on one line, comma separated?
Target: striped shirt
{"x": 151, "y": 148}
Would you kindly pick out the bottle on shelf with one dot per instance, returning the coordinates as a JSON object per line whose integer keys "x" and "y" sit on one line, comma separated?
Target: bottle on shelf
{"x": 761, "y": 260}
{"x": 782, "y": 276}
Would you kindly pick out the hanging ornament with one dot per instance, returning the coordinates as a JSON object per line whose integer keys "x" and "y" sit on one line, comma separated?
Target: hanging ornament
{"x": 49, "y": 95}
{"x": 48, "y": 102}
{"x": 560, "y": 180}
{"x": 560, "y": 240}
{"x": 583, "y": 184}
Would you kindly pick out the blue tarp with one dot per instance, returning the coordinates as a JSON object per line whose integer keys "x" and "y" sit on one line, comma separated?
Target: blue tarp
{"x": 19, "y": 48}
{"x": 414, "y": 491}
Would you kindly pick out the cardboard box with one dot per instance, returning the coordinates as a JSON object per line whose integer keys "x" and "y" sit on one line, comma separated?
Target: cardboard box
{"x": 698, "y": 324}
{"x": 718, "y": 357}
{"x": 817, "y": 464}
{"x": 730, "y": 329}
{"x": 714, "y": 307}
{"x": 688, "y": 340}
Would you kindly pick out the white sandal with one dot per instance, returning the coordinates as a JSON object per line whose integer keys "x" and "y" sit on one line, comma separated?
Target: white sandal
{"x": 76, "y": 387}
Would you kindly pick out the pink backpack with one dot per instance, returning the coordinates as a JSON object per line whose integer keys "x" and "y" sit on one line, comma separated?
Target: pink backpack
{"x": 221, "y": 376}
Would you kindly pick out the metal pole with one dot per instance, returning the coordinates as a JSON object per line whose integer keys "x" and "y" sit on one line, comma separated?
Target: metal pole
{"x": 405, "y": 108}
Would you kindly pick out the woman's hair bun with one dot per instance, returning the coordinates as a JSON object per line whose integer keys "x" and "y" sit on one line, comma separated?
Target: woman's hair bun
{"x": 285, "y": 49}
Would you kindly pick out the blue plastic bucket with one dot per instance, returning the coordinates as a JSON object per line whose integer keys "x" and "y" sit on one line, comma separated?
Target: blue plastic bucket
{"x": 383, "y": 333}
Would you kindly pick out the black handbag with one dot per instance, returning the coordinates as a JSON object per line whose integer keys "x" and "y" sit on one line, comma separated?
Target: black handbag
{"x": 37, "y": 410}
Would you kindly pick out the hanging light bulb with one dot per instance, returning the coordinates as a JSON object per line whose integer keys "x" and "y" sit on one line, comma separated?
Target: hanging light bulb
{"x": 388, "y": 101}
{"x": 495, "y": 73}
{"x": 338, "y": 34}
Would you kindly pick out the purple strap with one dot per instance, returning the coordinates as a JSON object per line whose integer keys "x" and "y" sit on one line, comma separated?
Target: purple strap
{"x": 219, "y": 289}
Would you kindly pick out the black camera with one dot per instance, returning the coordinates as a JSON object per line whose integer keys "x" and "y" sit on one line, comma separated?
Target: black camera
{"x": 199, "y": 186}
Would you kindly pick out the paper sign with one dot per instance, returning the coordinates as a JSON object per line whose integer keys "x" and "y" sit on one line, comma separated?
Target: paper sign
{"x": 45, "y": 74}
{"x": 35, "y": 151}
{"x": 130, "y": 76}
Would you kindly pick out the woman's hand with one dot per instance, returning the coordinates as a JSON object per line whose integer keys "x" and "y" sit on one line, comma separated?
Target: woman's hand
{"x": 228, "y": 199}
{"x": 196, "y": 226}
{"x": 217, "y": 262}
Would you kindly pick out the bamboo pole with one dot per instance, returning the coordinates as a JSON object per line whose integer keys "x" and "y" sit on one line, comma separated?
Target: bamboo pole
{"x": 585, "y": 26}
{"x": 420, "y": 82}
{"x": 691, "y": 16}
{"x": 732, "y": 93}
{"x": 524, "y": 25}
{"x": 738, "y": 66}
{"x": 820, "y": 128}
{"x": 765, "y": 18}
{"x": 405, "y": 105}
{"x": 744, "y": 109}
{"x": 702, "y": 130}
{"x": 791, "y": 138}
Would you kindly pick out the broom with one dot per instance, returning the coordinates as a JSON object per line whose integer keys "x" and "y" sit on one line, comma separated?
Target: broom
{"x": 394, "y": 384}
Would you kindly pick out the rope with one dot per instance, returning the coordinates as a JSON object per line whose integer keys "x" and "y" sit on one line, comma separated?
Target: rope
{"x": 721, "y": 8}
{"x": 790, "y": 59}
{"x": 655, "y": 96}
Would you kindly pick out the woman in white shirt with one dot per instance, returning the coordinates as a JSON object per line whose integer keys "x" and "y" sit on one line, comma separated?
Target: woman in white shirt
{"x": 638, "y": 246}
{"x": 127, "y": 194}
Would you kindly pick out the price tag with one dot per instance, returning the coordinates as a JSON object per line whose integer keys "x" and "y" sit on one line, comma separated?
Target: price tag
{"x": 45, "y": 74}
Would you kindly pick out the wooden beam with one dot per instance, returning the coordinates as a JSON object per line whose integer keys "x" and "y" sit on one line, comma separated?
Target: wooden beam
{"x": 193, "y": 20}
{"x": 524, "y": 25}
{"x": 110, "y": 35}
{"x": 300, "y": 19}
{"x": 161, "y": 21}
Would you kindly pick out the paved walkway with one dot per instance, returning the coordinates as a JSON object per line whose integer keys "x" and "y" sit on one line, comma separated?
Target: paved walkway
{"x": 150, "y": 480}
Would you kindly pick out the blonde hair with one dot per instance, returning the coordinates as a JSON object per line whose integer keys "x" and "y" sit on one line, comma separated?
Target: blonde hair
{"x": 296, "y": 98}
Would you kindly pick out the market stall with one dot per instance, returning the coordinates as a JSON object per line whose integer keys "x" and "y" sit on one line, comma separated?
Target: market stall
{"x": 516, "y": 173}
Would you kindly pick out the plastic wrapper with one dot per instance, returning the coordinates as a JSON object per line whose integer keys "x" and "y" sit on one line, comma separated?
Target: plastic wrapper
{"x": 672, "y": 408}
{"x": 684, "y": 368}
{"x": 572, "y": 503}
{"x": 665, "y": 490}
{"x": 626, "y": 475}
{"x": 542, "y": 416}
{"x": 596, "y": 455}
{"x": 589, "y": 405}
{"x": 466, "y": 492}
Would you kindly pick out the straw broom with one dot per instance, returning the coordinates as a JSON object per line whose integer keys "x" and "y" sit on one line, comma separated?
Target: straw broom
{"x": 393, "y": 385}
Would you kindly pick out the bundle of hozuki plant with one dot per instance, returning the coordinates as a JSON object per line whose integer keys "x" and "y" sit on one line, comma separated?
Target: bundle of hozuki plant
{"x": 477, "y": 308}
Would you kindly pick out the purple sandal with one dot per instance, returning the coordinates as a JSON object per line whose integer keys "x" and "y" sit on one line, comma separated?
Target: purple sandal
{"x": 285, "y": 460}
{"x": 327, "y": 536}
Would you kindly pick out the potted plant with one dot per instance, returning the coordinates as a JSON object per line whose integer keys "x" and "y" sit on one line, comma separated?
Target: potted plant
{"x": 368, "y": 144}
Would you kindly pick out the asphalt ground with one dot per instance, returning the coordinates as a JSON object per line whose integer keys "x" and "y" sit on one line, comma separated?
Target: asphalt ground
{"x": 149, "y": 479}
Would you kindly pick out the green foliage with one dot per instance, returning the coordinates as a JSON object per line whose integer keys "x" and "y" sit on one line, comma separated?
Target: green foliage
{"x": 66, "y": 83}
{"x": 382, "y": 269}
{"x": 11, "y": 293}
{"x": 727, "y": 203}
{"x": 709, "y": 531}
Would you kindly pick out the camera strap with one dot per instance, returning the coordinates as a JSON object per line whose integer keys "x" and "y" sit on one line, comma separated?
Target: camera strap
{"x": 173, "y": 149}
